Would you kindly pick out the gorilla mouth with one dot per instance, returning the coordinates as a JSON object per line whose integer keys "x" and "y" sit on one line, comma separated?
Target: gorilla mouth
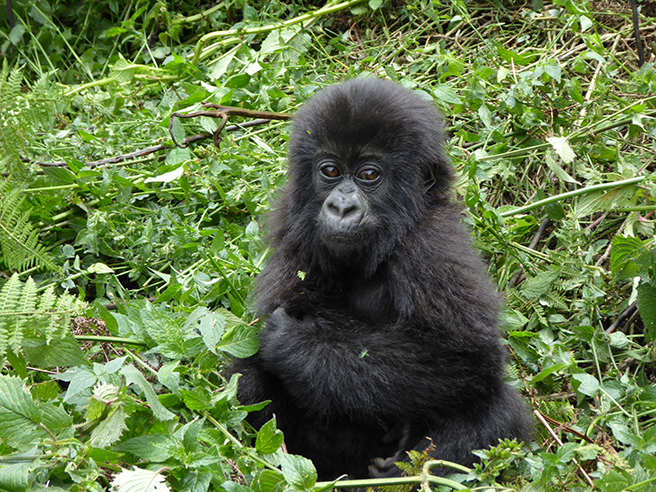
{"x": 344, "y": 242}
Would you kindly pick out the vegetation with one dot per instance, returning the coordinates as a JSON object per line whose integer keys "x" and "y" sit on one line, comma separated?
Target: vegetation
{"x": 126, "y": 261}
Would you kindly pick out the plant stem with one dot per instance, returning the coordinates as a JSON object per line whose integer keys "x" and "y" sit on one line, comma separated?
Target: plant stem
{"x": 119, "y": 340}
{"x": 570, "y": 194}
{"x": 328, "y": 9}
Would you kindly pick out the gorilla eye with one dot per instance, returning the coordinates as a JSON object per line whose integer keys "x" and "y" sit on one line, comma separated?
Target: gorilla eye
{"x": 329, "y": 171}
{"x": 369, "y": 175}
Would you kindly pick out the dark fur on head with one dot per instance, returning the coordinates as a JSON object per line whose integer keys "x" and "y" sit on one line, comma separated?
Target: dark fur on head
{"x": 359, "y": 114}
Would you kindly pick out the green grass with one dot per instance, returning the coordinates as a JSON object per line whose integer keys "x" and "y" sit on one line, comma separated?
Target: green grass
{"x": 124, "y": 286}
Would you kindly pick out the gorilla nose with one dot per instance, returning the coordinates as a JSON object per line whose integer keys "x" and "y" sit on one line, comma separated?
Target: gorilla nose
{"x": 345, "y": 208}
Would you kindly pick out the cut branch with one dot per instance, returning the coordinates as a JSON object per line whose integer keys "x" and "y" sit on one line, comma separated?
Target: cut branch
{"x": 224, "y": 112}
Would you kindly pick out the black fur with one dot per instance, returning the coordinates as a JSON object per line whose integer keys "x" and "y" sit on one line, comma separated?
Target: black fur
{"x": 392, "y": 337}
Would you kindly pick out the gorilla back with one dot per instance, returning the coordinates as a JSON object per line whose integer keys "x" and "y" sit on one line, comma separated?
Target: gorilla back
{"x": 390, "y": 340}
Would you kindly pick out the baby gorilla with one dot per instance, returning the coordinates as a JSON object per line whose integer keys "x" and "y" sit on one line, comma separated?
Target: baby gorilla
{"x": 381, "y": 325}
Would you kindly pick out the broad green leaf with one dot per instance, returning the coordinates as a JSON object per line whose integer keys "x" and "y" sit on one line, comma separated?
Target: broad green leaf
{"x": 110, "y": 429}
{"x": 140, "y": 480}
{"x": 587, "y": 384}
{"x": 14, "y": 477}
{"x": 554, "y": 71}
{"x": 618, "y": 340}
{"x": 271, "y": 481}
{"x": 647, "y": 308}
{"x": 234, "y": 487}
{"x": 63, "y": 352}
{"x": 22, "y": 418}
{"x": 447, "y": 94}
{"x": 241, "y": 341}
{"x": 169, "y": 377}
{"x": 221, "y": 66}
{"x": 151, "y": 447}
{"x": 238, "y": 81}
{"x": 562, "y": 148}
{"x": 133, "y": 376}
{"x": 123, "y": 70}
{"x": 196, "y": 399}
{"x": 586, "y": 23}
{"x": 269, "y": 439}
{"x": 613, "y": 481}
{"x": 603, "y": 201}
{"x": 626, "y": 253}
{"x": 485, "y": 115}
{"x": 516, "y": 58}
{"x": 624, "y": 435}
{"x": 546, "y": 372}
{"x": 195, "y": 481}
{"x": 299, "y": 472}
{"x": 560, "y": 173}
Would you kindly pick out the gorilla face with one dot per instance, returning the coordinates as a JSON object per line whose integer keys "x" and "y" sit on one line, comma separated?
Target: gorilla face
{"x": 347, "y": 222}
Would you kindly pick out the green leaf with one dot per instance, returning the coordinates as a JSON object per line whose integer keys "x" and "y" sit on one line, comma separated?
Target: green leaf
{"x": 626, "y": 254}
{"x": 269, "y": 439}
{"x": 485, "y": 115}
{"x": 299, "y": 472}
{"x": 613, "y": 481}
{"x": 133, "y": 376}
{"x": 586, "y": 23}
{"x": 234, "y": 487}
{"x": 196, "y": 399}
{"x": 647, "y": 308}
{"x": 109, "y": 430}
{"x": 447, "y": 94}
{"x": 516, "y": 58}
{"x": 537, "y": 286}
{"x": 554, "y": 71}
{"x": 152, "y": 447}
{"x": 14, "y": 477}
{"x": 21, "y": 418}
{"x": 114, "y": 31}
{"x": 241, "y": 341}
{"x": 624, "y": 435}
{"x": 560, "y": 173}
{"x": 64, "y": 352}
{"x": 546, "y": 372}
{"x": 140, "y": 480}
{"x": 271, "y": 481}
{"x": 238, "y": 81}
{"x": 587, "y": 384}
{"x": 562, "y": 148}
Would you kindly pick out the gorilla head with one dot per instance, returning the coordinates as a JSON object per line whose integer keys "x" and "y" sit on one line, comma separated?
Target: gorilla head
{"x": 366, "y": 157}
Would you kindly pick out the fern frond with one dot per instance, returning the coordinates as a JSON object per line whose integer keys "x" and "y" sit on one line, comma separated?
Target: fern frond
{"x": 24, "y": 308}
{"x": 23, "y": 311}
{"x": 9, "y": 296}
{"x": 19, "y": 246}
{"x": 10, "y": 83}
{"x": 10, "y": 138}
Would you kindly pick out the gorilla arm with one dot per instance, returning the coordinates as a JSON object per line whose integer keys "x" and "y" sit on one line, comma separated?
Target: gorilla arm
{"x": 332, "y": 364}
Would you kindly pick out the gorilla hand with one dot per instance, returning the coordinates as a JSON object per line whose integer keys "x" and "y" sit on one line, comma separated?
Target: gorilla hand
{"x": 385, "y": 467}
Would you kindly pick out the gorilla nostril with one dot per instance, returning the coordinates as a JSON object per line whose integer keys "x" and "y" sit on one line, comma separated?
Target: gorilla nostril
{"x": 344, "y": 207}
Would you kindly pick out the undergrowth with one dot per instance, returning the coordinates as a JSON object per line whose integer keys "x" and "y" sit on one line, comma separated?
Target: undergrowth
{"x": 126, "y": 262}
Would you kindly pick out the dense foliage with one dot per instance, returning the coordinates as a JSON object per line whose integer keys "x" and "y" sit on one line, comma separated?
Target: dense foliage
{"x": 124, "y": 281}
